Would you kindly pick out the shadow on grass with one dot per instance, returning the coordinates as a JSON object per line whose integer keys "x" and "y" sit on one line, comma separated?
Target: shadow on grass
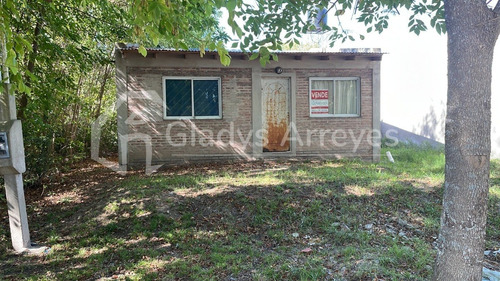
{"x": 262, "y": 220}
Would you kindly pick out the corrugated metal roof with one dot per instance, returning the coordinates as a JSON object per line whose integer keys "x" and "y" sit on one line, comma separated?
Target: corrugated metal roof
{"x": 343, "y": 51}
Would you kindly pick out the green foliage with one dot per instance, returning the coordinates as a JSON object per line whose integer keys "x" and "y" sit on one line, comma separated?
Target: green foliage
{"x": 278, "y": 23}
{"x": 178, "y": 24}
{"x": 60, "y": 58}
{"x": 60, "y": 64}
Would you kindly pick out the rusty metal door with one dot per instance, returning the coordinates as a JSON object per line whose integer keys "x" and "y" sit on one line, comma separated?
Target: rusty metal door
{"x": 275, "y": 115}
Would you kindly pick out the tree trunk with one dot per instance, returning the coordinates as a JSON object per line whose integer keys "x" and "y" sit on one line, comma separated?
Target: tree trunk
{"x": 102, "y": 89}
{"x": 472, "y": 32}
{"x": 23, "y": 100}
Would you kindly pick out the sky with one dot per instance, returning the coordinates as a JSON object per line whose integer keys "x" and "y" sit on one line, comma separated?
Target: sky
{"x": 414, "y": 78}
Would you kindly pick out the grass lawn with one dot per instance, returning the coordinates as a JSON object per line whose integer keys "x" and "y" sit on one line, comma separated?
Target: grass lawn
{"x": 265, "y": 220}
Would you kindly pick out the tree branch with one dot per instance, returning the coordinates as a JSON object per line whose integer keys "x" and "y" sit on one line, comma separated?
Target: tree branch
{"x": 496, "y": 10}
{"x": 331, "y": 7}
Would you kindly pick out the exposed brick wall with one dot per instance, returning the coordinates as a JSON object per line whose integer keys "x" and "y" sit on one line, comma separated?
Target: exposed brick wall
{"x": 146, "y": 102}
{"x": 355, "y": 128}
{"x": 145, "y": 108}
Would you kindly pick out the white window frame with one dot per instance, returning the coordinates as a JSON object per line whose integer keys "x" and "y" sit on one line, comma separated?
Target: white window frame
{"x": 192, "y": 78}
{"x": 358, "y": 96}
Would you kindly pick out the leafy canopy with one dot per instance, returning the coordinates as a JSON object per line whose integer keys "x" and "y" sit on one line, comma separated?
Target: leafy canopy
{"x": 82, "y": 32}
{"x": 59, "y": 58}
{"x": 270, "y": 25}
{"x": 261, "y": 25}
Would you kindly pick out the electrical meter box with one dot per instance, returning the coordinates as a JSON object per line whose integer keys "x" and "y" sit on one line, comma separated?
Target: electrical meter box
{"x": 11, "y": 148}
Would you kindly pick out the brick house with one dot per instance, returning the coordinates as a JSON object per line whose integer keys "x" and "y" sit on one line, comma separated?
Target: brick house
{"x": 175, "y": 106}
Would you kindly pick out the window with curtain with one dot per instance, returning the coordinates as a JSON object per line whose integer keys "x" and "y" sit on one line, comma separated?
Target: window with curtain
{"x": 191, "y": 97}
{"x": 334, "y": 96}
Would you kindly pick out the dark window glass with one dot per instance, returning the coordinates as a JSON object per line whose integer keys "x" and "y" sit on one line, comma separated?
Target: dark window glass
{"x": 206, "y": 97}
{"x": 178, "y": 97}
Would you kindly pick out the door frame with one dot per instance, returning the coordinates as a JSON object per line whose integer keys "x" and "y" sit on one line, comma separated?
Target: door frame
{"x": 257, "y": 116}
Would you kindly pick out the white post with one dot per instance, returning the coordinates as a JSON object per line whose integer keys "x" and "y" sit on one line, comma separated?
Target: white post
{"x": 18, "y": 219}
{"x": 12, "y": 163}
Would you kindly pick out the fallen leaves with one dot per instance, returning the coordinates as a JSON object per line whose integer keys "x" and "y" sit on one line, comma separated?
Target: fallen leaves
{"x": 306, "y": 251}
